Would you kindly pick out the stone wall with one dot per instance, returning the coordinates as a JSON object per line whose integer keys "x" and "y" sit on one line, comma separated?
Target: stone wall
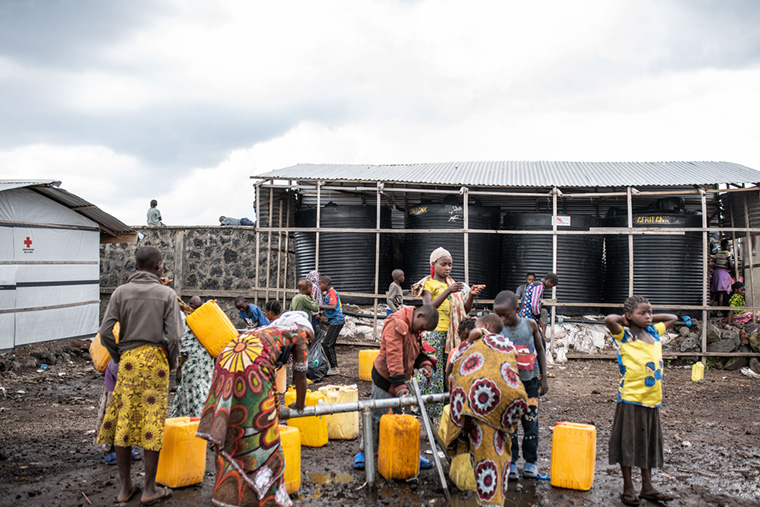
{"x": 210, "y": 262}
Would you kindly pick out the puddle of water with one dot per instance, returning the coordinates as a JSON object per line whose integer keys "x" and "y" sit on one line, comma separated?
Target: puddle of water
{"x": 328, "y": 478}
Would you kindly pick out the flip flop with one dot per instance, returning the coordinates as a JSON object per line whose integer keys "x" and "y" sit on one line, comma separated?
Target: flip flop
{"x": 630, "y": 499}
{"x": 166, "y": 494}
{"x": 136, "y": 455}
{"x": 656, "y": 497}
{"x": 359, "y": 461}
{"x": 135, "y": 490}
{"x": 110, "y": 458}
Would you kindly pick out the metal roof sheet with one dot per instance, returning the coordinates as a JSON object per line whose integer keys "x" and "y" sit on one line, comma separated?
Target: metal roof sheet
{"x": 528, "y": 173}
{"x": 110, "y": 226}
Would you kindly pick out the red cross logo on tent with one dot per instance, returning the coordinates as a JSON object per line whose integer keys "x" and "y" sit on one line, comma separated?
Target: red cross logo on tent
{"x": 28, "y": 242}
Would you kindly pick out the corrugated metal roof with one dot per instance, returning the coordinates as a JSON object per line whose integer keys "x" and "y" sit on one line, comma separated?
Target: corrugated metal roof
{"x": 110, "y": 227}
{"x": 529, "y": 174}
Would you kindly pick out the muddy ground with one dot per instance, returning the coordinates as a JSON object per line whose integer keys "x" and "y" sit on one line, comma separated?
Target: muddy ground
{"x": 711, "y": 431}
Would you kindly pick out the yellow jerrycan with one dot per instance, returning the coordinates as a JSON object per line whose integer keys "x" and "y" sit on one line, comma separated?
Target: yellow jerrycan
{"x": 290, "y": 438}
{"x": 98, "y": 352}
{"x": 398, "y": 455}
{"x": 212, "y": 327}
{"x": 182, "y": 460}
{"x": 344, "y": 426}
{"x": 697, "y": 371}
{"x": 573, "y": 456}
{"x": 314, "y": 428}
{"x": 366, "y": 360}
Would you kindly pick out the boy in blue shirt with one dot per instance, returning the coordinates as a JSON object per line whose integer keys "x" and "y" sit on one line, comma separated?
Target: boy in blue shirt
{"x": 531, "y": 363}
{"x": 250, "y": 313}
{"x": 335, "y": 321}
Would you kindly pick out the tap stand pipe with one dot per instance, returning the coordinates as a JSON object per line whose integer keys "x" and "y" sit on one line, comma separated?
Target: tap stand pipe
{"x": 431, "y": 438}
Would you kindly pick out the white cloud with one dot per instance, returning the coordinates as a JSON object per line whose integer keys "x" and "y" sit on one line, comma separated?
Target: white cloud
{"x": 185, "y": 105}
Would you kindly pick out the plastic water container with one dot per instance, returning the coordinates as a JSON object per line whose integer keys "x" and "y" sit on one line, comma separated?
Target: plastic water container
{"x": 461, "y": 472}
{"x": 281, "y": 379}
{"x": 182, "y": 460}
{"x": 314, "y": 428}
{"x": 443, "y": 427}
{"x": 344, "y": 426}
{"x": 398, "y": 455}
{"x": 98, "y": 352}
{"x": 290, "y": 438}
{"x": 212, "y": 327}
{"x": 697, "y": 371}
{"x": 573, "y": 456}
{"x": 366, "y": 360}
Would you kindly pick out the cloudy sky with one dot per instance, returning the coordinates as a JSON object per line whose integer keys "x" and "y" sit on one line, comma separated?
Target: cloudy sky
{"x": 182, "y": 101}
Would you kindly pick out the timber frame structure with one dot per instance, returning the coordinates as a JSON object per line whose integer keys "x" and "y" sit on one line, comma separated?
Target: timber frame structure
{"x": 282, "y": 190}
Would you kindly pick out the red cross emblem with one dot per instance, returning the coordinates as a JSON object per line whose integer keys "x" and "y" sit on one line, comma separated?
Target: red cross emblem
{"x": 28, "y": 242}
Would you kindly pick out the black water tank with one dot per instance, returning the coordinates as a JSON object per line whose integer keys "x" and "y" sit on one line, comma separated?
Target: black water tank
{"x": 483, "y": 248}
{"x": 347, "y": 257}
{"x": 667, "y": 269}
{"x": 579, "y": 257}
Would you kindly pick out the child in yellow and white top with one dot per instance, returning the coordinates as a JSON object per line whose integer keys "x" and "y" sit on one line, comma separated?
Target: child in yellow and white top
{"x": 636, "y": 438}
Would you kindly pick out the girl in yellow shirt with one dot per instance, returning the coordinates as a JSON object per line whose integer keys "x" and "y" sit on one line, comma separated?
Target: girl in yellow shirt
{"x": 636, "y": 439}
{"x": 453, "y": 301}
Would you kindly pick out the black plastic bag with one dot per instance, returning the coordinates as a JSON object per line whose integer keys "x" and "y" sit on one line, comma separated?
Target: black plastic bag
{"x": 317, "y": 361}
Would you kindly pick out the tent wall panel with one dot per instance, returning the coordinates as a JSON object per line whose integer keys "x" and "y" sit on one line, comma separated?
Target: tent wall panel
{"x": 56, "y": 324}
{"x": 39, "y": 244}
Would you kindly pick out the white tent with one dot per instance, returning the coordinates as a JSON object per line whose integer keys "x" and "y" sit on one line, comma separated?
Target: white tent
{"x": 50, "y": 262}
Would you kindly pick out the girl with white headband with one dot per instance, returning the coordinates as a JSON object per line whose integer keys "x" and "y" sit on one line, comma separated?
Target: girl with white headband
{"x": 453, "y": 301}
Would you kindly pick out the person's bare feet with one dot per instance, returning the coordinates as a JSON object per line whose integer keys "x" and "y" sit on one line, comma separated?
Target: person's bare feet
{"x": 126, "y": 494}
{"x": 156, "y": 496}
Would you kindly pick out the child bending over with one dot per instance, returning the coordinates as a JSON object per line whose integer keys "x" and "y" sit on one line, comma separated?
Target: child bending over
{"x": 636, "y": 439}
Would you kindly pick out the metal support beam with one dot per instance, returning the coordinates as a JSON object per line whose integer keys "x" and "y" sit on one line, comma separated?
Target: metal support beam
{"x": 630, "y": 240}
{"x": 705, "y": 282}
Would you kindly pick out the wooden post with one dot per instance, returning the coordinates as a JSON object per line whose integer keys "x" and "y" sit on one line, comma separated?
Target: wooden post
{"x": 705, "y": 257}
{"x": 466, "y": 208}
{"x": 749, "y": 256}
{"x": 733, "y": 235}
{"x": 553, "y": 318}
{"x": 319, "y": 213}
{"x": 257, "y": 197}
{"x": 630, "y": 241}
{"x": 279, "y": 251}
{"x": 377, "y": 261}
{"x": 287, "y": 249}
{"x": 269, "y": 241}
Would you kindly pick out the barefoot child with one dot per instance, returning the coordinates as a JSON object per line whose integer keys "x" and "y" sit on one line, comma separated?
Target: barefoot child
{"x": 636, "y": 438}
{"x": 531, "y": 305}
{"x": 453, "y": 301}
{"x": 395, "y": 295}
{"x": 147, "y": 351}
{"x": 531, "y": 363}
{"x": 738, "y": 315}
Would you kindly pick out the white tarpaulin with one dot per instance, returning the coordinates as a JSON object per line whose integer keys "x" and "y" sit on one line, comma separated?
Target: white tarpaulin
{"x": 49, "y": 270}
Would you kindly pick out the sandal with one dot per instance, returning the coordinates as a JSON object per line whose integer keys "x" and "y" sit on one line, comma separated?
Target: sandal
{"x": 656, "y": 497}
{"x": 629, "y": 499}
{"x": 136, "y": 455}
{"x": 110, "y": 458}
{"x": 359, "y": 461}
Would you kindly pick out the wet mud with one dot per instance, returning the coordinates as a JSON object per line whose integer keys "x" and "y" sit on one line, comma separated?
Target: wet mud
{"x": 711, "y": 431}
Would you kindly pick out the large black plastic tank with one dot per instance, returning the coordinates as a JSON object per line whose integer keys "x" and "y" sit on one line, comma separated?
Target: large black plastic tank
{"x": 483, "y": 248}
{"x": 579, "y": 258}
{"x": 346, "y": 257}
{"x": 667, "y": 269}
